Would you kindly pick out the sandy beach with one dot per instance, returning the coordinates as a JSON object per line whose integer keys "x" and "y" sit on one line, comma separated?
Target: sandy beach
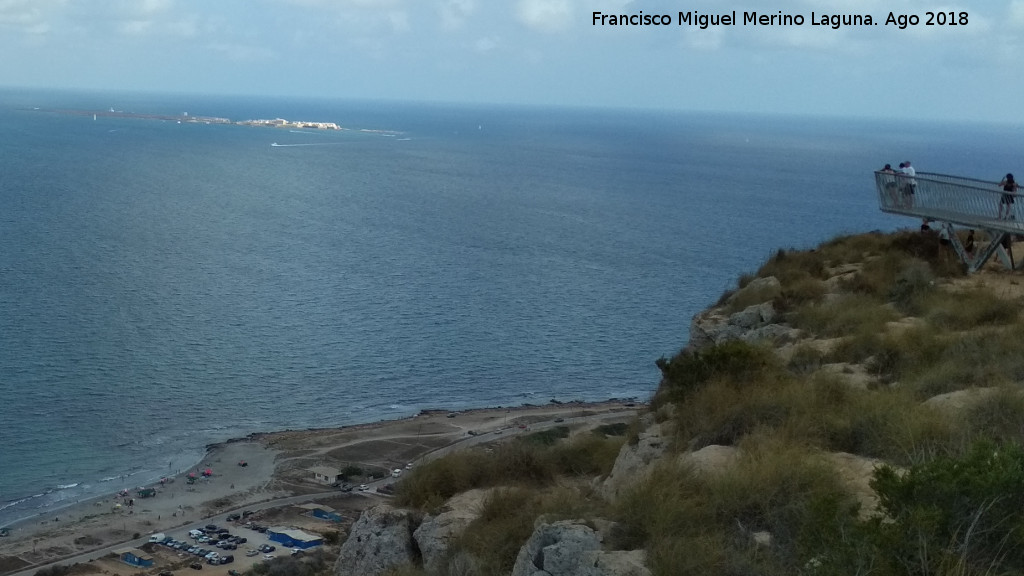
{"x": 277, "y": 466}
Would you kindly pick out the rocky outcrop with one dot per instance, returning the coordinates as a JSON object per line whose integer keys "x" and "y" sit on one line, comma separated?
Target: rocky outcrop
{"x": 569, "y": 548}
{"x": 751, "y": 324}
{"x": 635, "y": 460}
{"x": 436, "y": 532}
{"x": 380, "y": 541}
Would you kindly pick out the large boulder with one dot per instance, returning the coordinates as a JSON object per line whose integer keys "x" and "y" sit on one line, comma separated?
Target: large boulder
{"x": 380, "y": 541}
{"x": 436, "y": 532}
{"x": 635, "y": 461}
{"x": 570, "y": 548}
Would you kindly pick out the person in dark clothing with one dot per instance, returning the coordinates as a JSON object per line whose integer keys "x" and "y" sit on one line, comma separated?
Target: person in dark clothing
{"x": 1009, "y": 186}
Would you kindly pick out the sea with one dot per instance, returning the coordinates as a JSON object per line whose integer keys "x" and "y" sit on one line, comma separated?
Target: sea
{"x": 166, "y": 285}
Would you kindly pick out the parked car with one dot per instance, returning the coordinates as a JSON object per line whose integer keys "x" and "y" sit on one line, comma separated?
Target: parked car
{"x": 252, "y": 552}
{"x": 266, "y": 548}
{"x": 227, "y": 559}
{"x": 363, "y": 487}
{"x": 210, "y": 528}
{"x": 233, "y": 517}
{"x": 268, "y": 556}
{"x": 195, "y": 566}
{"x": 246, "y": 513}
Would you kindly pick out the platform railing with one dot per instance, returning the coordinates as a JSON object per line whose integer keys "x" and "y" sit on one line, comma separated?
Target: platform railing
{"x": 956, "y": 199}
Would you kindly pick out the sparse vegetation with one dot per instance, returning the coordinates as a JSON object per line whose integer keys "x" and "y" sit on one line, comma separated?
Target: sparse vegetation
{"x": 897, "y": 314}
{"x": 528, "y": 461}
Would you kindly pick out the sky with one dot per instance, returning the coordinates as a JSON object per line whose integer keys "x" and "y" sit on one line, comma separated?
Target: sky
{"x": 534, "y": 52}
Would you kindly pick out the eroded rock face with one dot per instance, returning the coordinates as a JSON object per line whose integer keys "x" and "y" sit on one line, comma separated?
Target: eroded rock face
{"x": 381, "y": 540}
{"x": 569, "y": 548}
{"x": 752, "y": 324}
{"x": 435, "y": 533}
{"x": 635, "y": 461}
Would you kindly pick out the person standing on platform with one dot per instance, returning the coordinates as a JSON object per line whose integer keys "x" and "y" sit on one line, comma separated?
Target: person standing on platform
{"x": 1009, "y": 186}
{"x": 909, "y": 183}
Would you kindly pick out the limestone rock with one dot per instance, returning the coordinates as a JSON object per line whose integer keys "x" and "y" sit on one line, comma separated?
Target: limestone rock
{"x": 569, "y": 548}
{"x": 380, "y": 541}
{"x": 713, "y": 459}
{"x": 754, "y": 316}
{"x": 758, "y": 290}
{"x": 635, "y": 461}
{"x": 435, "y": 533}
{"x": 753, "y": 323}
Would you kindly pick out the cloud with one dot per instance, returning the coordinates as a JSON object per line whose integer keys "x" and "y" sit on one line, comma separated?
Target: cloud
{"x": 545, "y": 15}
{"x": 1016, "y": 12}
{"x": 29, "y": 16}
{"x": 455, "y": 12}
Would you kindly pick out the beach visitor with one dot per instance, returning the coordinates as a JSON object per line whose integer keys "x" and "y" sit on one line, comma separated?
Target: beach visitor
{"x": 909, "y": 183}
{"x": 924, "y": 226}
{"x": 1009, "y": 186}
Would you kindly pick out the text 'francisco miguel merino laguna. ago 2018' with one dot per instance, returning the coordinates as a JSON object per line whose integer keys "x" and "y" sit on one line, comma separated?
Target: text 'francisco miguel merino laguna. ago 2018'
{"x": 695, "y": 18}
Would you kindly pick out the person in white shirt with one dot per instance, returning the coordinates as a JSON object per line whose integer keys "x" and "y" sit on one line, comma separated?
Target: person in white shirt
{"x": 909, "y": 184}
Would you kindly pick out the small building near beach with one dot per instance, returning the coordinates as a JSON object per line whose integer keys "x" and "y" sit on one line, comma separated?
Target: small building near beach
{"x": 322, "y": 512}
{"x": 135, "y": 557}
{"x": 294, "y": 538}
{"x": 326, "y": 474}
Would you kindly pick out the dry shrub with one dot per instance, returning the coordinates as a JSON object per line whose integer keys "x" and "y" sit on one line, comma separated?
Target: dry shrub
{"x": 969, "y": 309}
{"x": 703, "y": 524}
{"x": 847, "y": 314}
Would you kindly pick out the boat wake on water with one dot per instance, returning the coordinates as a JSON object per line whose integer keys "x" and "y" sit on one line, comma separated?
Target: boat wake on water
{"x": 276, "y": 145}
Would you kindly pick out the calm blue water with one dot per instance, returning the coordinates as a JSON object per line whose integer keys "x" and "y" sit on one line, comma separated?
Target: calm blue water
{"x": 164, "y": 286}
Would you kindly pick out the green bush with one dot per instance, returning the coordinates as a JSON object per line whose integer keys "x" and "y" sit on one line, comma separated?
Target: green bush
{"x": 953, "y": 511}
{"x": 734, "y": 360}
{"x": 546, "y": 437}
{"x": 606, "y": 430}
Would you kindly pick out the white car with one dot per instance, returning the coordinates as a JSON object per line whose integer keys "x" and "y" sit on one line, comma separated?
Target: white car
{"x": 363, "y": 487}
{"x": 268, "y": 556}
{"x": 252, "y": 553}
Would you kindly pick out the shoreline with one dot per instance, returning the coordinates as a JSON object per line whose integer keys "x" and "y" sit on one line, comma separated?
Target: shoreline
{"x": 249, "y": 485}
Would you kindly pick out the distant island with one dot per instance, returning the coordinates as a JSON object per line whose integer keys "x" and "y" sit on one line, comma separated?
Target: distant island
{"x": 282, "y": 123}
{"x": 185, "y": 117}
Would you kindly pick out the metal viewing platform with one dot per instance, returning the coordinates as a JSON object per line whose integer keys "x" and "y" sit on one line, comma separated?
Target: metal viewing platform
{"x": 955, "y": 200}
